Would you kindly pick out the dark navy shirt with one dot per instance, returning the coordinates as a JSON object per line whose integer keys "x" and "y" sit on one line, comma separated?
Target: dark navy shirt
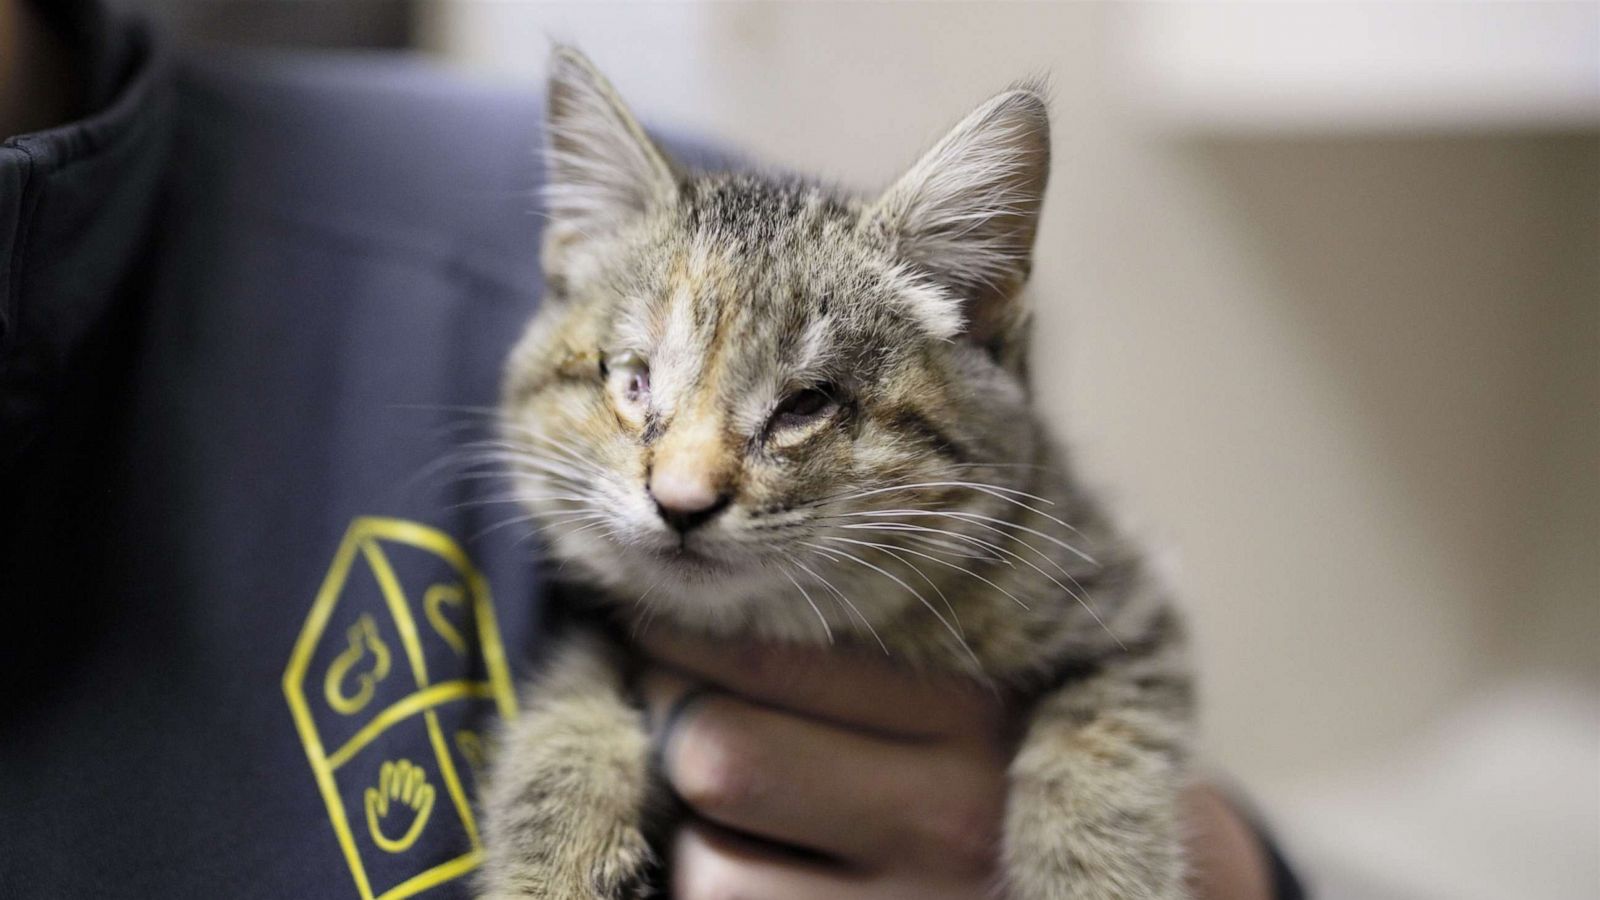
{"x": 254, "y": 631}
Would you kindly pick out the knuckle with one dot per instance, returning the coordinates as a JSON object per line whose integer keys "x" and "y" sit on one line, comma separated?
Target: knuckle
{"x": 699, "y": 872}
{"x": 965, "y": 835}
{"x": 712, "y": 883}
{"x": 712, "y": 767}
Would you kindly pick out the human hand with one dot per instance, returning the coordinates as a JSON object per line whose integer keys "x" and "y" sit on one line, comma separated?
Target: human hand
{"x": 818, "y": 774}
{"x": 894, "y": 784}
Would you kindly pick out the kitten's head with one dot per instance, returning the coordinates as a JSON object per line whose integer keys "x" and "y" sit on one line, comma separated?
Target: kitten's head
{"x": 731, "y": 372}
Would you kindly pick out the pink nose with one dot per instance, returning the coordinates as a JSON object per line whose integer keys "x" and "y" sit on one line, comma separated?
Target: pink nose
{"x": 685, "y": 496}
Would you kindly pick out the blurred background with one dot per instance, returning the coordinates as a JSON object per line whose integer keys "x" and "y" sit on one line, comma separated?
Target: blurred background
{"x": 1318, "y": 293}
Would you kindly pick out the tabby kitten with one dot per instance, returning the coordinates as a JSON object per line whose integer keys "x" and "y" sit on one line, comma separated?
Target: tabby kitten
{"x": 758, "y": 407}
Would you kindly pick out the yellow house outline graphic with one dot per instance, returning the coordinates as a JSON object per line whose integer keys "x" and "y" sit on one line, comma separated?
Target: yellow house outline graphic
{"x": 361, "y": 541}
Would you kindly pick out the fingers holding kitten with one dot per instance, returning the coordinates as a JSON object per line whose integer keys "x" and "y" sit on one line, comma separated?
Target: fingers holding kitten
{"x": 872, "y": 803}
{"x": 708, "y": 863}
{"x": 861, "y": 690}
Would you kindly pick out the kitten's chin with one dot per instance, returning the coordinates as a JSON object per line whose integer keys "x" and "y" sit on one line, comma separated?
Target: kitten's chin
{"x": 689, "y": 564}
{"x": 691, "y": 587}
{"x": 742, "y": 597}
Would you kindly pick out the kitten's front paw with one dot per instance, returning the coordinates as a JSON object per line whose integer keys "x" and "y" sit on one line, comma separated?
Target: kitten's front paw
{"x": 565, "y": 805}
{"x": 1093, "y": 812}
{"x": 613, "y": 867}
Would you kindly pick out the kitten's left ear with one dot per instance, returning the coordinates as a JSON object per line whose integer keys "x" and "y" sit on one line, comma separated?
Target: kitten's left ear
{"x": 968, "y": 210}
{"x": 601, "y": 168}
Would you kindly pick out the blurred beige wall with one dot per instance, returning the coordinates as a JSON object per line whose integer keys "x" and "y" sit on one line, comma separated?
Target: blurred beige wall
{"x": 1347, "y": 378}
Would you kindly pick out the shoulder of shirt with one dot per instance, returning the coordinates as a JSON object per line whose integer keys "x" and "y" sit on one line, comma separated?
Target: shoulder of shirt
{"x": 382, "y": 153}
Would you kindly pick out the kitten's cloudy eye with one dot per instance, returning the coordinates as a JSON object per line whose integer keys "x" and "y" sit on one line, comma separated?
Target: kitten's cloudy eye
{"x": 804, "y": 407}
{"x": 627, "y": 376}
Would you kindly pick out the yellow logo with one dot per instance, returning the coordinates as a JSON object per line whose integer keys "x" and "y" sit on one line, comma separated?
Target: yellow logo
{"x": 383, "y": 693}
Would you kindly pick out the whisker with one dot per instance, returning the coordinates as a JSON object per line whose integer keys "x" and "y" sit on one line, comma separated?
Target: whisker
{"x": 570, "y": 516}
{"x": 1080, "y": 595}
{"x": 507, "y": 523}
{"x": 993, "y": 490}
{"x": 892, "y": 551}
{"x": 962, "y": 569}
{"x": 975, "y": 518}
{"x": 952, "y": 549}
{"x": 525, "y": 519}
{"x": 513, "y": 453}
{"x": 519, "y": 498}
{"x": 602, "y": 521}
{"x": 996, "y": 491}
{"x": 812, "y": 603}
{"x": 645, "y": 617}
{"x": 910, "y": 527}
{"x": 840, "y": 596}
{"x": 898, "y": 580}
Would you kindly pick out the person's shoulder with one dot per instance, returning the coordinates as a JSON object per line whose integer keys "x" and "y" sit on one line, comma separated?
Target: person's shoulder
{"x": 385, "y": 149}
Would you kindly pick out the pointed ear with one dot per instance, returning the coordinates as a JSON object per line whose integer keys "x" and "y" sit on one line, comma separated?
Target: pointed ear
{"x": 968, "y": 210}
{"x": 601, "y": 169}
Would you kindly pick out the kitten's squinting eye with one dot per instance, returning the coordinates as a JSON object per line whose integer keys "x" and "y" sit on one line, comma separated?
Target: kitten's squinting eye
{"x": 627, "y": 377}
{"x": 804, "y": 407}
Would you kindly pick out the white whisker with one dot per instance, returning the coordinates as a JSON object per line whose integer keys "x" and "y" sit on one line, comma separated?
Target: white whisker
{"x": 813, "y": 604}
{"x": 900, "y": 581}
{"x": 1080, "y": 595}
{"x": 840, "y": 596}
{"x": 894, "y": 552}
{"x": 976, "y": 518}
{"x": 962, "y": 569}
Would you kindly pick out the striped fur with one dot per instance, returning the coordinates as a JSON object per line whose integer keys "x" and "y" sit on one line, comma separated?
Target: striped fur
{"x": 920, "y": 508}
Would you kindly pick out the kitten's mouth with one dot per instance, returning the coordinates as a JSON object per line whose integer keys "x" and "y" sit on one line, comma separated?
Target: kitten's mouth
{"x": 689, "y": 559}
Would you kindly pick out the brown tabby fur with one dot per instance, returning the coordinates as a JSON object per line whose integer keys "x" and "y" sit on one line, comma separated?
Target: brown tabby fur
{"x": 922, "y": 509}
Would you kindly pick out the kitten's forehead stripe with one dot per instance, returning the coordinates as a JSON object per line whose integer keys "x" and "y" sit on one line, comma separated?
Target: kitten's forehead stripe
{"x": 748, "y": 307}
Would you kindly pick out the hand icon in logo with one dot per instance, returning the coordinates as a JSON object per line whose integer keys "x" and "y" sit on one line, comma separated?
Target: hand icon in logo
{"x": 363, "y": 636}
{"x": 401, "y": 783}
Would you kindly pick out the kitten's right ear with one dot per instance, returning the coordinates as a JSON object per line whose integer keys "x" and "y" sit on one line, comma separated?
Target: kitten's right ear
{"x": 968, "y": 211}
{"x": 601, "y": 169}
